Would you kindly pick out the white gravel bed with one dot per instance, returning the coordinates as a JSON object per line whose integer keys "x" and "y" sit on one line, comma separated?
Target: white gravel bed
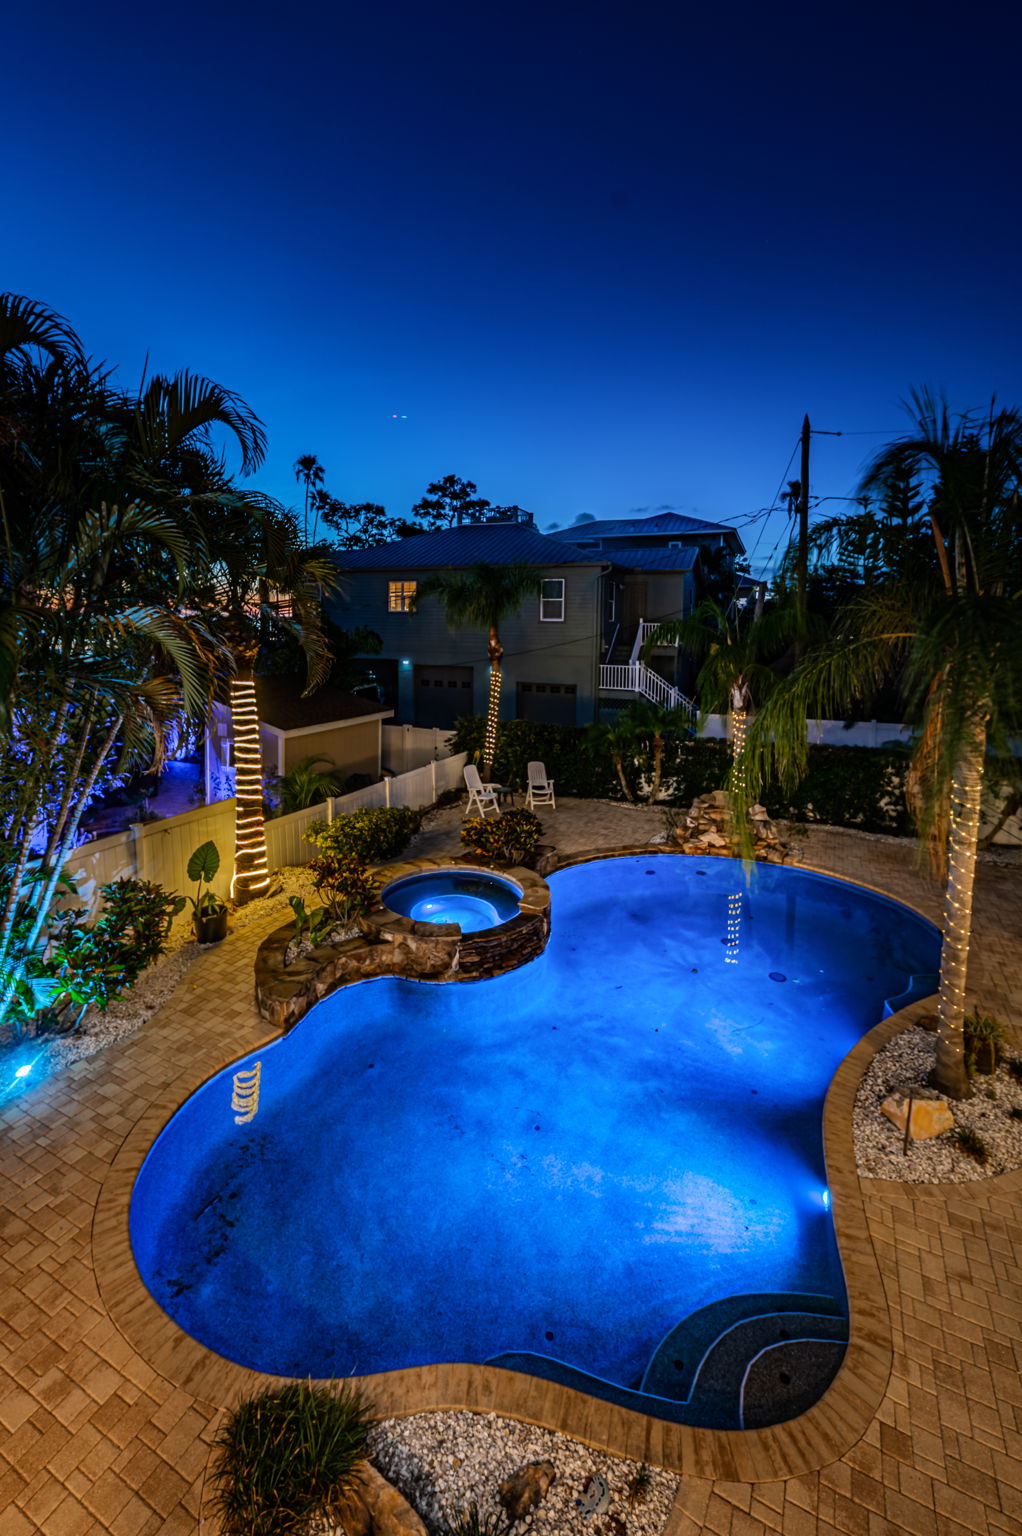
{"x": 445, "y": 1462}
{"x": 908, "y": 1058}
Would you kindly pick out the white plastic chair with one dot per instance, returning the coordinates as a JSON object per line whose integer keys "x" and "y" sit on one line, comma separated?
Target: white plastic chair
{"x": 540, "y": 790}
{"x": 482, "y": 796}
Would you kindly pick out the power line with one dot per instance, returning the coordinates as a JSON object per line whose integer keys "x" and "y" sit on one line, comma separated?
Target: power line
{"x": 777, "y": 496}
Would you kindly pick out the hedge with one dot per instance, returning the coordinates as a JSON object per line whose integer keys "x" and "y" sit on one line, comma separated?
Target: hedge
{"x": 861, "y": 787}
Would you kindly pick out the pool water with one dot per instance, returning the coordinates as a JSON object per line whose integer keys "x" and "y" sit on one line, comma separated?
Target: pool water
{"x": 565, "y": 1160}
{"x": 467, "y": 897}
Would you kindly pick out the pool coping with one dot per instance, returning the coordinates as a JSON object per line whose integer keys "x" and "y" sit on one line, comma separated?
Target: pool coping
{"x": 821, "y": 1435}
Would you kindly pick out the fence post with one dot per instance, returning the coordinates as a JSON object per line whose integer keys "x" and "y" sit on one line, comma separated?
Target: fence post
{"x": 138, "y": 849}
{"x": 329, "y": 807}
{"x": 386, "y": 791}
{"x": 432, "y": 779}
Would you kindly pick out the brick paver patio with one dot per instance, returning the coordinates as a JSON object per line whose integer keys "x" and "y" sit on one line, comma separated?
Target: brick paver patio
{"x": 95, "y": 1438}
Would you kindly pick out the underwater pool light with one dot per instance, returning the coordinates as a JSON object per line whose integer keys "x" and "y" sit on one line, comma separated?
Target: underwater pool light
{"x": 24, "y": 1071}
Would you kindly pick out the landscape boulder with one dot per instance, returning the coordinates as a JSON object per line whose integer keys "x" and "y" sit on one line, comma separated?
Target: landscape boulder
{"x": 524, "y": 1489}
{"x": 373, "y": 1507}
{"x": 930, "y": 1114}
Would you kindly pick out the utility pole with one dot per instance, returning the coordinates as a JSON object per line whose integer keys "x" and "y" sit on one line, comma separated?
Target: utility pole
{"x": 803, "y": 521}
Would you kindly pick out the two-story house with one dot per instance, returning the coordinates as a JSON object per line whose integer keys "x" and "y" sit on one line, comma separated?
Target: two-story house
{"x": 567, "y": 652}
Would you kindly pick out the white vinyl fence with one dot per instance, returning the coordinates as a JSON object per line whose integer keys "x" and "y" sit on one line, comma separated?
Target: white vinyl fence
{"x": 160, "y": 850}
{"x": 832, "y": 733}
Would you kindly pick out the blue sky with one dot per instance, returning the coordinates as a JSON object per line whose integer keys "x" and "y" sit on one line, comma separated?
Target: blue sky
{"x": 593, "y": 257}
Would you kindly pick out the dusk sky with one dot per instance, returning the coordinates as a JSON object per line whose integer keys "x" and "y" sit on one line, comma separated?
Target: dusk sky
{"x": 594, "y": 257}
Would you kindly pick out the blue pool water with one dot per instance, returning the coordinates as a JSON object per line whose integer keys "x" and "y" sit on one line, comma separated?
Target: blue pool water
{"x": 565, "y": 1160}
{"x": 467, "y": 897}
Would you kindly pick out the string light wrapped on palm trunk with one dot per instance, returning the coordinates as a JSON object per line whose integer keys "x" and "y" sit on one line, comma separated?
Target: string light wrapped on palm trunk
{"x": 251, "y": 870}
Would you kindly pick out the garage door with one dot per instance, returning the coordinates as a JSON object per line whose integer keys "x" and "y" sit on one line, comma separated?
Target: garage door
{"x": 547, "y": 703}
{"x": 442, "y": 695}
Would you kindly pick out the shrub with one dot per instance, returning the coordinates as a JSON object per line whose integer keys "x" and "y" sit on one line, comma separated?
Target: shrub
{"x": 512, "y": 838}
{"x": 472, "y": 1523}
{"x": 985, "y": 1039}
{"x": 372, "y": 836}
{"x": 285, "y": 1459}
{"x": 137, "y": 915}
{"x": 861, "y": 787}
{"x": 345, "y": 885}
{"x": 86, "y": 966}
{"x": 971, "y": 1143}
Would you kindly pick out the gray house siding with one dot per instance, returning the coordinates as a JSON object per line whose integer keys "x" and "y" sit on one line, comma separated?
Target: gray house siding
{"x": 564, "y": 653}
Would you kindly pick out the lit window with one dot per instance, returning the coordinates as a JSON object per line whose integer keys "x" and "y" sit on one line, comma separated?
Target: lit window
{"x": 551, "y": 600}
{"x": 400, "y": 596}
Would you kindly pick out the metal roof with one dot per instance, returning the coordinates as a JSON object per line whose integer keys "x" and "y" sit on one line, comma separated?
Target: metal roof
{"x": 494, "y": 543}
{"x": 646, "y": 558}
{"x": 663, "y": 524}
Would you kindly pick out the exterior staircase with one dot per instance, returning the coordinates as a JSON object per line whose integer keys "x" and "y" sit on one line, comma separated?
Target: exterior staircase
{"x": 633, "y": 676}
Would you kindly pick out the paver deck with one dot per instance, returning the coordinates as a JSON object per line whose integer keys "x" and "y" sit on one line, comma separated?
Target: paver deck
{"x": 96, "y": 1438}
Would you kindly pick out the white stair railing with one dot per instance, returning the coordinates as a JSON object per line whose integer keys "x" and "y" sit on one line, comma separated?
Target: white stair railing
{"x": 636, "y": 678}
{"x": 642, "y": 634}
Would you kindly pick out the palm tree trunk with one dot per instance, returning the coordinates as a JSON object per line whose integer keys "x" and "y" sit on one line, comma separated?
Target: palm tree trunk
{"x": 251, "y": 866}
{"x": 496, "y": 651}
{"x": 619, "y": 764}
{"x": 658, "y": 767}
{"x": 949, "y": 1074}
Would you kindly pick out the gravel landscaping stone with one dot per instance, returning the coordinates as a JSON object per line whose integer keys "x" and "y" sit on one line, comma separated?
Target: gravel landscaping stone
{"x": 445, "y": 1462}
{"x": 879, "y": 1154}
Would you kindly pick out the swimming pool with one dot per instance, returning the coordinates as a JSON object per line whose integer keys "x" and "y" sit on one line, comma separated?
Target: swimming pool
{"x": 471, "y": 898}
{"x": 552, "y": 1168}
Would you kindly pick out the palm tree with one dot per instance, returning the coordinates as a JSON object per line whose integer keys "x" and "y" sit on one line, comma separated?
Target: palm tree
{"x": 102, "y": 648}
{"x": 952, "y": 625}
{"x": 734, "y": 674}
{"x": 310, "y": 472}
{"x": 261, "y": 582}
{"x": 482, "y": 597}
{"x": 647, "y": 728}
{"x": 307, "y": 783}
{"x": 614, "y": 739}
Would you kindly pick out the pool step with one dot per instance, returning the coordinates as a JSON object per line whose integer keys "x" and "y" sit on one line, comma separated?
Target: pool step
{"x": 786, "y": 1379}
{"x": 717, "y": 1394}
{"x": 674, "y": 1363}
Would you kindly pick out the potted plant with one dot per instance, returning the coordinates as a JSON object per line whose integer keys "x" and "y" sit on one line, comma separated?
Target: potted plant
{"x": 209, "y": 913}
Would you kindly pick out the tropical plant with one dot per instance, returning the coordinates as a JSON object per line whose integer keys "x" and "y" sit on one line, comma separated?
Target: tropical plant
{"x": 101, "y": 649}
{"x": 951, "y": 624}
{"x": 284, "y": 1460}
{"x": 985, "y": 1039}
{"x": 348, "y": 889}
{"x": 482, "y": 597}
{"x": 202, "y": 868}
{"x": 613, "y": 739}
{"x": 87, "y": 965}
{"x": 473, "y": 1523}
{"x": 649, "y": 728}
{"x": 734, "y": 649}
{"x": 311, "y": 925}
{"x": 511, "y": 838}
{"x": 971, "y": 1143}
{"x": 310, "y": 473}
{"x": 374, "y": 836}
{"x": 305, "y": 784}
{"x": 139, "y": 915}
{"x": 259, "y": 581}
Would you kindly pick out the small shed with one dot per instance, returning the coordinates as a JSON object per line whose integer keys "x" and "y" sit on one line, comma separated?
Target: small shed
{"x": 344, "y": 727}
